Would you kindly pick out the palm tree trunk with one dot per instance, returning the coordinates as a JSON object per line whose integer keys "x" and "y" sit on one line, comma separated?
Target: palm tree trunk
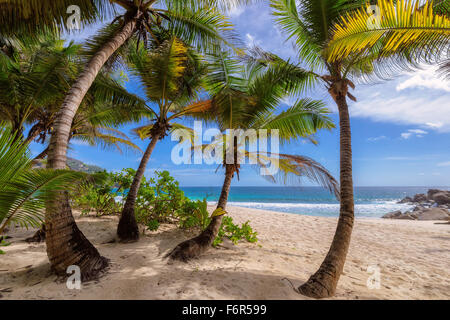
{"x": 128, "y": 230}
{"x": 323, "y": 283}
{"x": 195, "y": 247}
{"x": 66, "y": 244}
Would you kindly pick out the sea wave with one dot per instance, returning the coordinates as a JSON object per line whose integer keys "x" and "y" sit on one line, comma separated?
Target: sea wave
{"x": 376, "y": 209}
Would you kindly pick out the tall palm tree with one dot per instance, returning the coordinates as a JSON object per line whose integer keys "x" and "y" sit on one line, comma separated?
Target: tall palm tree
{"x": 171, "y": 75}
{"x": 309, "y": 23}
{"x": 334, "y": 37}
{"x": 246, "y": 98}
{"x": 196, "y": 22}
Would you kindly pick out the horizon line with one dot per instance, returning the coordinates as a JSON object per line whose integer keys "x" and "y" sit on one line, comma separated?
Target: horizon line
{"x": 208, "y": 186}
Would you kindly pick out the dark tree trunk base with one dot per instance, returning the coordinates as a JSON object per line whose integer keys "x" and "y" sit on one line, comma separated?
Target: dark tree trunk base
{"x": 67, "y": 245}
{"x": 38, "y": 237}
{"x": 189, "y": 249}
{"x": 92, "y": 265}
{"x": 195, "y": 247}
{"x": 128, "y": 230}
{"x": 314, "y": 288}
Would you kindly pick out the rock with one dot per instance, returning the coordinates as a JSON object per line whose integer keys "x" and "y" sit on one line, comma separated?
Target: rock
{"x": 442, "y": 197}
{"x": 431, "y": 192}
{"x": 392, "y": 215}
{"x": 406, "y": 216}
{"x": 433, "y": 214}
{"x": 418, "y": 208}
{"x": 420, "y": 197}
{"x": 406, "y": 200}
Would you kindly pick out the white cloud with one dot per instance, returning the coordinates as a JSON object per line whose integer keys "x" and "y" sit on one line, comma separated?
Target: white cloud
{"x": 236, "y": 11}
{"x": 251, "y": 40}
{"x": 425, "y": 111}
{"x": 406, "y": 135}
{"x": 425, "y": 79}
{"x": 373, "y": 139}
{"x": 419, "y": 133}
{"x": 444, "y": 164}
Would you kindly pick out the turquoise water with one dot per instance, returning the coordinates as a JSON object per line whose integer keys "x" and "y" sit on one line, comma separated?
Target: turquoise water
{"x": 369, "y": 201}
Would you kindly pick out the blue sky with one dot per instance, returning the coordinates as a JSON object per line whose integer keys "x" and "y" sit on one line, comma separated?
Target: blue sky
{"x": 401, "y": 128}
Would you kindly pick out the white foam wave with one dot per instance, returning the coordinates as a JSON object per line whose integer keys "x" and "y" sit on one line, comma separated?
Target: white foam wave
{"x": 325, "y": 209}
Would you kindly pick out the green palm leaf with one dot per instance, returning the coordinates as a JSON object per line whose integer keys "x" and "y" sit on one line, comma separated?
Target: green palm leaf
{"x": 23, "y": 190}
{"x": 404, "y": 27}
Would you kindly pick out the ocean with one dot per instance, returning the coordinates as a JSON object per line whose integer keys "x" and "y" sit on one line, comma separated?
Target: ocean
{"x": 315, "y": 201}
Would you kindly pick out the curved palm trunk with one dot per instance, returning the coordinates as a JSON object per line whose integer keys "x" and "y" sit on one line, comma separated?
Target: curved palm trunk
{"x": 128, "y": 230}
{"x": 66, "y": 244}
{"x": 323, "y": 283}
{"x": 193, "y": 248}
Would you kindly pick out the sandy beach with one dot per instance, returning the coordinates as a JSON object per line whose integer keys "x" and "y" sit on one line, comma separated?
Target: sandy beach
{"x": 413, "y": 259}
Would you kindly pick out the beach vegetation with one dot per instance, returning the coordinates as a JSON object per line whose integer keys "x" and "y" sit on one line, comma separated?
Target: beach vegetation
{"x": 23, "y": 190}
{"x": 248, "y": 96}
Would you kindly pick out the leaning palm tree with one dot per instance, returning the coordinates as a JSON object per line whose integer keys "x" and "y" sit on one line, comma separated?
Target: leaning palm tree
{"x": 198, "y": 23}
{"x": 247, "y": 99}
{"x": 171, "y": 75}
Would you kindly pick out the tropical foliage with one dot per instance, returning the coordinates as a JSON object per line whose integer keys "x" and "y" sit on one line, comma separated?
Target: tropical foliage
{"x": 33, "y": 81}
{"x": 418, "y": 31}
{"x": 23, "y": 190}
{"x": 160, "y": 200}
{"x": 247, "y": 98}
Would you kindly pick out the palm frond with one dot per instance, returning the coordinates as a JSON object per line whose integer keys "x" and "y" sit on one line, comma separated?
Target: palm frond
{"x": 26, "y": 17}
{"x": 301, "y": 120}
{"x": 293, "y": 168}
{"x": 404, "y": 26}
{"x": 287, "y": 15}
{"x": 205, "y": 29}
{"x": 23, "y": 191}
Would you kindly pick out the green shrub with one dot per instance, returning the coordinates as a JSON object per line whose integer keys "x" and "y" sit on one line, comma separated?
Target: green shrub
{"x": 235, "y": 233}
{"x": 3, "y": 243}
{"x": 194, "y": 214}
{"x": 98, "y": 197}
{"x": 159, "y": 200}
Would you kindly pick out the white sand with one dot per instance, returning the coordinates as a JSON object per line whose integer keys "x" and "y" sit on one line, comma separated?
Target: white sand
{"x": 413, "y": 256}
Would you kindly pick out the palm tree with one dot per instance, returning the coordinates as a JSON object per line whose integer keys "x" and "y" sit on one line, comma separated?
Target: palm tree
{"x": 33, "y": 81}
{"x": 171, "y": 75}
{"x": 246, "y": 98}
{"x": 309, "y": 23}
{"x": 333, "y": 37}
{"x": 196, "y": 22}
